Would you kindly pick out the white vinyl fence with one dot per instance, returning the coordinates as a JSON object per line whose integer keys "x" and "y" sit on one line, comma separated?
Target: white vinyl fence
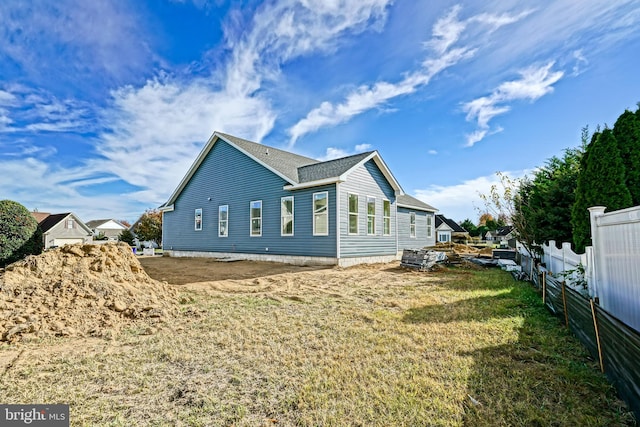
{"x": 610, "y": 268}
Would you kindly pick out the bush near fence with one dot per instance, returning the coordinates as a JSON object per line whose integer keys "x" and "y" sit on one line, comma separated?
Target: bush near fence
{"x": 610, "y": 341}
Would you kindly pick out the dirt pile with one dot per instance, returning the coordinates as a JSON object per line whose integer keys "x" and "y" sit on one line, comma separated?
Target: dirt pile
{"x": 80, "y": 290}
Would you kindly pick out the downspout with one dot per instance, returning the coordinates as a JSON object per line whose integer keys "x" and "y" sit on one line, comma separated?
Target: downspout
{"x": 338, "y": 222}
{"x": 396, "y": 229}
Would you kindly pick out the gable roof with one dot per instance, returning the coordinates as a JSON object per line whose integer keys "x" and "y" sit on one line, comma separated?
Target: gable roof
{"x": 299, "y": 171}
{"x": 330, "y": 168}
{"x": 407, "y": 201}
{"x": 455, "y": 227}
{"x": 50, "y": 221}
{"x": 282, "y": 162}
{"x": 95, "y": 223}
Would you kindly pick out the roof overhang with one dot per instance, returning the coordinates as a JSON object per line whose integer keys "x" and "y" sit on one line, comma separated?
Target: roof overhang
{"x": 418, "y": 208}
{"x": 311, "y": 184}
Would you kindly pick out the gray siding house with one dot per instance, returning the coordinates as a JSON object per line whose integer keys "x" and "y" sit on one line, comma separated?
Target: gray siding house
{"x": 245, "y": 200}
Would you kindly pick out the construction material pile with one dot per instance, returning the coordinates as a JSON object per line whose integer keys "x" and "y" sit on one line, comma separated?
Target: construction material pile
{"x": 80, "y": 290}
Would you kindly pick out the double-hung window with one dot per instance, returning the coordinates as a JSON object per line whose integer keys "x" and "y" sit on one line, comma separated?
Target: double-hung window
{"x": 353, "y": 214}
{"x": 429, "y": 232}
{"x": 286, "y": 216}
{"x": 412, "y": 224}
{"x": 371, "y": 215}
{"x": 386, "y": 217}
{"x": 223, "y": 220}
{"x": 321, "y": 214}
{"x": 198, "y": 220}
{"x": 256, "y": 218}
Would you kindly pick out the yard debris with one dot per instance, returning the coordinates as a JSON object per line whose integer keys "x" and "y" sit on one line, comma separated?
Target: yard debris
{"x": 80, "y": 290}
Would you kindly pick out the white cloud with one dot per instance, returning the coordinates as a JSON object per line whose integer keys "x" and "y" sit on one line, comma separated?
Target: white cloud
{"x": 534, "y": 82}
{"x": 72, "y": 37}
{"x": 447, "y": 31}
{"x": 580, "y": 62}
{"x": 462, "y": 200}
{"x": 27, "y": 110}
{"x": 162, "y": 125}
{"x": 432, "y": 152}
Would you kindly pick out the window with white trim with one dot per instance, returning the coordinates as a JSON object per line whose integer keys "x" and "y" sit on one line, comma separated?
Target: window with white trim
{"x": 71, "y": 223}
{"x": 286, "y": 216}
{"x": 198, "y": 220}
{"x": 256, "y": 218}
{"x": 412, "y": 224}
{"x": 223, "y": 220}
{"x": 353, "y": 214}
{"x": 386, "y": 218}
{"x": 429, "y": 218}
{"x": 321, "y": 214}
{"x": 443, "y": 237}
{"x": 371, "y": 215}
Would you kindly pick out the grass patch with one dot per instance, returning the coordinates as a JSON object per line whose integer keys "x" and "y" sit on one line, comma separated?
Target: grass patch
{"x": 357, "y": 346}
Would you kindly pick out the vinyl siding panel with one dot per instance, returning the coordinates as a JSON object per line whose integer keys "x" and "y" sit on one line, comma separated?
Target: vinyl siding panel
{"x": 228, "y": 177}
{"x": 367, "y": 181}
{"x": 405, "y": 241}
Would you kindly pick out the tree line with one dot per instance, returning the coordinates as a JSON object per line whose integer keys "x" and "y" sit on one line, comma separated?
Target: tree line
{"x": 553, "y": 203}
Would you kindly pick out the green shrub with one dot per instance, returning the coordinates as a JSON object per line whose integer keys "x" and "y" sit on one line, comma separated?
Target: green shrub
{"x": 19, "y": 233}
{"x": 127, "y": 237}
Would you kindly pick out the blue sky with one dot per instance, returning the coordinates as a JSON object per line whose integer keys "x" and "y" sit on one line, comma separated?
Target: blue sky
{"x": 104, "y": 105}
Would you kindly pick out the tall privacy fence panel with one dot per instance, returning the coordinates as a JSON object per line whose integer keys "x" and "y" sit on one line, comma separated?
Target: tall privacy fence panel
{"x": 610, "y": 341}
{"x": 609, "y": 270}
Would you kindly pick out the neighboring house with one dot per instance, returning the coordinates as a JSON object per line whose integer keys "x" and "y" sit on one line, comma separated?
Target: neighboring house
{"x": 500, "y": 235}
{"x": 62, "y": 229}
{"x": 447, "y": 230}
{"x": 246, "y": 200}
{"x": 109, "y": 228}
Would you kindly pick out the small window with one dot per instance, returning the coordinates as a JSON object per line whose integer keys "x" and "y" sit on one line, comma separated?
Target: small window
{"x": 429, "y": 226}
{"x": 321, "y": 214}
{"x": 443, "y": 238}
{"x": 386, "y": 217}
{"x": 412, "y": 224}
{"x": 286, "y": 216}
{"x": 70, "y": 223}
{"x": 371, "y": 215}
{"x": 223, "y": 220}
{"x": 198, "y": 220}
{"x": 353, "y": 214}
{"x": 256, "y": 218}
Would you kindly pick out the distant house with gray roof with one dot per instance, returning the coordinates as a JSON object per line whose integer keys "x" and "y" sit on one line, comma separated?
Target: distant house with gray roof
{"x": 246, "y": 200}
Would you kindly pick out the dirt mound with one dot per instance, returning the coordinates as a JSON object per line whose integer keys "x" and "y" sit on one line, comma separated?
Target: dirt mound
{"x": 80, "y": 290}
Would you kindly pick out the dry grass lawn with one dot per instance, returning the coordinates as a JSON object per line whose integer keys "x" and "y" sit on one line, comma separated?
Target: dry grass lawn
{"x": 370, "y": 345}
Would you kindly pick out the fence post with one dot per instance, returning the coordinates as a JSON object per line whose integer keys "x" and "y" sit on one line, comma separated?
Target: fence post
{"x": 595, "y": 327}
{"x": 594, "y": 213}
{"x": 544, "y": 288}
{"x": 564, "y": 306}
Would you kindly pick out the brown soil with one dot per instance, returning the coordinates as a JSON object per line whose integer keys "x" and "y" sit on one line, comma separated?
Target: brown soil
{"x": 80, "y": 290}
{"x": 180, "y": 271}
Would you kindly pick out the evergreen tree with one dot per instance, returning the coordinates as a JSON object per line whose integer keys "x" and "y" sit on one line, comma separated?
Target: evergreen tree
{"x": 627, "y": 133}
{"x": 601, "y": 182}
{"x": 127, "y": 237}
{"x": 19, "y": 233}
{"x": 468, "y": 225}
{"x": 548, "y": 198}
